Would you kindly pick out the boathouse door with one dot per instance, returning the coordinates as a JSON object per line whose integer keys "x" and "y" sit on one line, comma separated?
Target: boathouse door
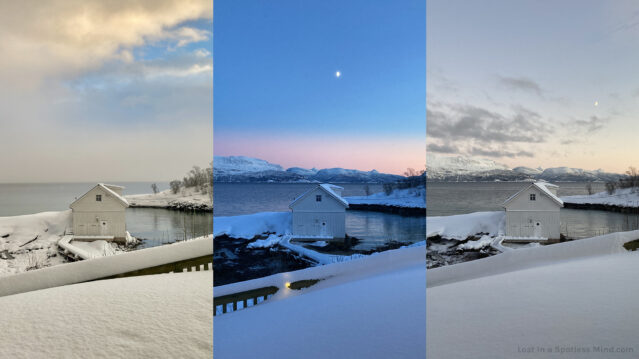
{"x": 537, "y": 229}
{"x": 104, "y": 228}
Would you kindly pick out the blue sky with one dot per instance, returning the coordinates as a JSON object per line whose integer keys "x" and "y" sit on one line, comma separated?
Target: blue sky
{"x": 540, "y": 83}
{"x": 275, "y": 64}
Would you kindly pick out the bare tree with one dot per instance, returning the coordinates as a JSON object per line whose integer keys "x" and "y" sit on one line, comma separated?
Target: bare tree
{"x": 610, "y": 187}
{"x": 589, "y": 188}
{"x": 367, "y": 190}
{"x": 154, "y": 187}
{"x": 175, "y": 186}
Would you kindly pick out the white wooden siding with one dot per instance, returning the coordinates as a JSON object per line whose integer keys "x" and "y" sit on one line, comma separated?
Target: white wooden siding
{"x": 89, "y": 214}
{"x": 309, "y": 216}
{"x": 522, "y": 215}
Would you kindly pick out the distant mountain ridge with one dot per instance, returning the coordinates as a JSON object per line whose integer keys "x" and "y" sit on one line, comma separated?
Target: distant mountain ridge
{"x": 469, "y": 169}
{"x": 247, "y": 169}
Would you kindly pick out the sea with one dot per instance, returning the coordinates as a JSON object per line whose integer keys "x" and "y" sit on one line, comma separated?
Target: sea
{"x": 154, "y": 226}
{"x": 451, "y": 198}
{"x": 374, "y": 229}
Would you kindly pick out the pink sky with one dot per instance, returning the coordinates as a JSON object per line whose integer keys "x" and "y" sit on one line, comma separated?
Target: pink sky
{"x": 384, "y": 154}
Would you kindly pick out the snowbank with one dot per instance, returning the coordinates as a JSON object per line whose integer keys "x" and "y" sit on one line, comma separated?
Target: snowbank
{"x": 82, "y": 271}
{"x": 524, "y": 258}
{"x": 186, "y": 198}
{"x": 482, "y": 242}
{"x": 249, "y": 225}
{"x": 270, "y": 241}
{"x": 147, "y": 316}
{"x": 572, "y": 298}
{"x": 373, "y": 307}
{"x": 624, "y": 197}
{"x": 408, "y": 197}
{"x": 17, "y": 234}
{"x": 461, "y": 226}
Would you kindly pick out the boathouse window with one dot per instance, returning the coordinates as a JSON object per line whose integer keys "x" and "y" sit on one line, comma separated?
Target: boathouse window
{"x": 532, "y": 197}
{"x": 98, "y": 197}
{"x": 318, "y": 198}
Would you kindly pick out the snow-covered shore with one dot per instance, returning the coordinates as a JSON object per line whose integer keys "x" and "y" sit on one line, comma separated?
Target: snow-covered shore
{"x": 372, "y": 307}
{"x": 30, "y": 241}
{"x": 153, "y": 316}
{"x": 408, "y": 198}
{"x": 621, "y": 198}
{"x": 461, "y": 226}
{"x": 464, "y": 237}
{"x": 571, "y": 299}
{"x": 185, "y": 199}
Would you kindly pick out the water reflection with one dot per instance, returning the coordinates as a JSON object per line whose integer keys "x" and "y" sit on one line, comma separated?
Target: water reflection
{"x": 162, "y": 226}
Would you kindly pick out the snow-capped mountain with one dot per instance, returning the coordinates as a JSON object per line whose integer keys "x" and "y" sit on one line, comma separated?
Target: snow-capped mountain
{"x": 528, "y": 170}
{"x": 458, "y": 168}
{"x": 242, "y": 164}
{"x": 247, "y": 169}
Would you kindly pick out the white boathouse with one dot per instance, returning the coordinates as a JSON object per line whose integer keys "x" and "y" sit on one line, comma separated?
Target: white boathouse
{"x": 533, "y": 213}
{"x": 320, "y": 213}
{"x": 100, "y": 214}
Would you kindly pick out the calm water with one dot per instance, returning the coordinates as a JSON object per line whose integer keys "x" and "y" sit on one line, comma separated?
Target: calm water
{"x": 375, "y": 228}
{"x": 156, "y": 226}
{"x": 446, "y": 199}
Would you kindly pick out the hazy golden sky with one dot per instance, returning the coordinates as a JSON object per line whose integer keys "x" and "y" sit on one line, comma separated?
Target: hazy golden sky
{"x": 104, "y": 90}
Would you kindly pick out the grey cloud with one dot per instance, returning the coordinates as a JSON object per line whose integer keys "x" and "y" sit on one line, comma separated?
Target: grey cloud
{"x": 593, "y": 124}
{"x": 444, "y": 148}
{"x": 521, "y": 83}
{"x": 463, "y": 122}
{"x": 499, "y": 153}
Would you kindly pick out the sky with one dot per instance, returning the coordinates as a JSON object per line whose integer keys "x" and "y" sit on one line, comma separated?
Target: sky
{"x": 534, "y": 83}
{"x": 105, "y": 91}
{"x": 278, "y": 96}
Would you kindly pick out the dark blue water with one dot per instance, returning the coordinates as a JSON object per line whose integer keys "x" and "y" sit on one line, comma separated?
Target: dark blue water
{"x": 375, "y": 228}
{"x": 445, "y": 199}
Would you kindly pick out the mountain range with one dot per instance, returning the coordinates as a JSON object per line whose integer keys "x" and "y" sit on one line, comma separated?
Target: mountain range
{"x": 248, "y": 169}
{"x": 470, "y": 169}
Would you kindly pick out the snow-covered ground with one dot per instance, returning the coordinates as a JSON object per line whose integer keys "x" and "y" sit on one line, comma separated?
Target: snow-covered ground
{"x": 17, "y": 234}
{"x": 185, "y": 198}
{"x": 155, "y": 316}
{"x": 625, "y": 197}
{"x": 461, "y": 226}
{"x": 567, "y": 300}
{"x": 408, "y": 197}
{"x": 250, "y": 225}
{"x": 372, "y": 307}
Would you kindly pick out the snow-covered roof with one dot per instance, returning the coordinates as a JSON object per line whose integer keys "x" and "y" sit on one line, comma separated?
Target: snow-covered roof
{"x": 326, "y": 187}
{"x": 109, "y": 191}
{"x": 543, "y": 187}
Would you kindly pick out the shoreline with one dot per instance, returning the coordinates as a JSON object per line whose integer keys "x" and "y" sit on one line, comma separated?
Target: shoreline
{"x": 177, "y": 207}
{"x": 601, "y": 207}
{"x": 402, "y": 211}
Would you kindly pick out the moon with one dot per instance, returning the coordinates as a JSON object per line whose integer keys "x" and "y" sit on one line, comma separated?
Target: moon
{"x": 338, "y": 74}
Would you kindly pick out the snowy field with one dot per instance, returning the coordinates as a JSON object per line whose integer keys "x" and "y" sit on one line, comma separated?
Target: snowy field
{"x": 185, "y": 198}
{"x": 372, "y": 307}
{"x": 408, "y": 197}
{"x": 568, "y": 300}
{"x": 625, "y": 197}
{"x": 155, "y": 316}
{"x": 17, "y": 234}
